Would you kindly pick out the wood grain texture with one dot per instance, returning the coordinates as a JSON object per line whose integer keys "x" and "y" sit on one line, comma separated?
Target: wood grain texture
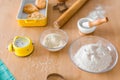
{"x": 69, "y": 13}
{"x": 42, "y": 62}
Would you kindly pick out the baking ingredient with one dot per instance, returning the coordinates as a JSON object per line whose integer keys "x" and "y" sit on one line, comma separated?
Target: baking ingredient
{"x": 85, "y": 24}
{"x": 97, "y": 13}
{"x": 53, "y": 40}
{"x": 21, "y": 42}
{"x": 93, "y": 57}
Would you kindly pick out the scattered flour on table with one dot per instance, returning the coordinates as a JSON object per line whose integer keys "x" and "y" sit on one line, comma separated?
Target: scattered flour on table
{"x": 53, "y": 40}
{"x": 93, "y": 57}
{"x": 97, "y": 13}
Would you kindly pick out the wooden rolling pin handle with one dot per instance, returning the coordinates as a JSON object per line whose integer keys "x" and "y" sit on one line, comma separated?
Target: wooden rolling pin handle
{"x": 69, "y": 13}
{"x": 98, "y": 22}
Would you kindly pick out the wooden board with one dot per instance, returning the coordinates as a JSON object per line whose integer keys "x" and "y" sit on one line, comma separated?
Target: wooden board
{"x": 42, "y": 62}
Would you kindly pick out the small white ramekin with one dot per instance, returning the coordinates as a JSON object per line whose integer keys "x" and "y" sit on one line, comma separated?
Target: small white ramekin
{"x": 85, "y": 30}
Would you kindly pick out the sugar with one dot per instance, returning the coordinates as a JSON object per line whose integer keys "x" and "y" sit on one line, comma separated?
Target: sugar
{"x": 85, "y": 24}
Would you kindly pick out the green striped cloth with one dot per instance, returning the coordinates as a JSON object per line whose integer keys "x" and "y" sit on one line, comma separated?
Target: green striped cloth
{"x": 5, "y": 74}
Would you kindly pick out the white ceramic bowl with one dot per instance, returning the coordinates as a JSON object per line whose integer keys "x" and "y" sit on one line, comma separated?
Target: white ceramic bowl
{"x": 76, "y": 45}
{"x": 83, "y": 29}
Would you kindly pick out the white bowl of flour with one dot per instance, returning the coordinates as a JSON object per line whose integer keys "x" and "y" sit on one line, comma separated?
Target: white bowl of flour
{"x": 93, "y": 54}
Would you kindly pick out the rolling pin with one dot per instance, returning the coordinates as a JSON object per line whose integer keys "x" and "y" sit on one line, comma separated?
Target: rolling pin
{"x": 69, "y": 13}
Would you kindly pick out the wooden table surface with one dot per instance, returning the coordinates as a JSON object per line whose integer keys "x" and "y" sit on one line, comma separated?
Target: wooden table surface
{"x": 42, "y": 62}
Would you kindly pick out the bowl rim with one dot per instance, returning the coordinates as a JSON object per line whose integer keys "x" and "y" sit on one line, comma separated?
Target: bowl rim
{"x": 65, "y": 33}
{"x": 105, "y": 70}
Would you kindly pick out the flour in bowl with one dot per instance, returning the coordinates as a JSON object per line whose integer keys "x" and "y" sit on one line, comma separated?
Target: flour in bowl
{"x": 53, "y": 40}
{"x": 93, "y": 57}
